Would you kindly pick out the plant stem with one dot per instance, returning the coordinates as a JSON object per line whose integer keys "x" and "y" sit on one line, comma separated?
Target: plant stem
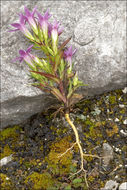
{"x": 77, "y": 139}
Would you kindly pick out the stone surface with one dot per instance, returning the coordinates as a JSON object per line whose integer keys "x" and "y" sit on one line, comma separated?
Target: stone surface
{"x": 110, "y": 185}
{"x": 98, "y": 31}
{"x": 123, "y": 186}
{"x": 107, "y": 153}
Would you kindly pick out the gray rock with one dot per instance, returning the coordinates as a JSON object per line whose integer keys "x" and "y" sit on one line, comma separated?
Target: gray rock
{"x": 110, "y": 185}
{"x": 98, "y": 31}
{"x": 107, "y": 153}
{"x": 5, "y": 160}
{"x": 123, "y": 186}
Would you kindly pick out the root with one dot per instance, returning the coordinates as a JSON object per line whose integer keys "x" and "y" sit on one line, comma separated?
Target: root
{"x": 77, "y": 139}
{"x": 82, "y": 155}
{"x": 94, "y": 156}
{"x": 79, "y": 146}
{"x": 67, "y": 150}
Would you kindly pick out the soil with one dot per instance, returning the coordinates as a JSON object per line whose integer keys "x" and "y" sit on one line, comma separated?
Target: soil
{"x": 36, "y": 144}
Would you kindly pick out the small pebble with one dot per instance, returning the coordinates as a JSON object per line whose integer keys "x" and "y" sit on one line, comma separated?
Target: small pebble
{"x": 116, "y": 177}
{"x": 123, "y": 186}
{"x": 116, "y": 120}
{"x": 5, "y": 160}
{"x": 125, "y": 122}
{"x": 110, "y": 185}
{"x": 124, "y": 90}
{"x": 121, "y": 106}
{"x": 123, "y": 133}
{"x": 117, "y": 150}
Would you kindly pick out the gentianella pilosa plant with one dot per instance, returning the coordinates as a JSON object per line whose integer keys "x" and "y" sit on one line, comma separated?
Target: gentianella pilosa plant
{"x": 54, "y": 72}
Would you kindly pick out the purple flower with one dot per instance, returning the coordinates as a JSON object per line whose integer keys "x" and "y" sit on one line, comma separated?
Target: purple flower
{"x": 69, "y": 53}
{"x": 55, "y": 31}
{"x": 55, "y": 26}
{"x": 24, "y": 55}
{"x": 30, "y": 19}
{"x": 21, "y": 26}
{"x": 43, "y": 21}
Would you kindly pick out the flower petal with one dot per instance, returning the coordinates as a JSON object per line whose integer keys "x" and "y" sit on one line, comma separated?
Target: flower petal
{"x": 22, "y": 52}
{"x": 16, "y": 25}
{"x": 27, "y": 12}
{"x": 34, "y": 11}
{"x": 29, "y": 49}
{"x": 17, "y": 58}
{"x": 47, "y": 15}
{"x": 60, "y": 30}
{"x": 22, "y": 19}
{"x": 39, "y": 15}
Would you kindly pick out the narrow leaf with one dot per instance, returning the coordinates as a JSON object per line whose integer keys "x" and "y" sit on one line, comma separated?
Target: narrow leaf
{"x": 57, "y": 60}
{"x": 49, "y": 76}
{"x": 59, "y": 96}
{"x": 64, "y": 43}
{"x": 75, "y": 98}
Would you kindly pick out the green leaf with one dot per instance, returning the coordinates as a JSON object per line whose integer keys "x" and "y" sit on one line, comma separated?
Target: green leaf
{"x": 33, "y": 67}
{"x": 61, "y": 69}
{"x": 52, "y": 188}
{"x": 74, "y": 98}
{"x": 58, "y": 95}
{"x": 40, "y": 34}
{"x": 68, "y": 187}
{"x": 64, "y": 43}
{"x": 35, "y": 84}
{"x": 70, "y": 88}
{"x": 50, "y": 51}
{"x": 57, "y": 61}
{"x": 77, "y": 180}
{"x": 49, "y": 76}
{"x": 73, "y": 169}
{"x": 46, "y": 67}
{"x": 75, "y": 80}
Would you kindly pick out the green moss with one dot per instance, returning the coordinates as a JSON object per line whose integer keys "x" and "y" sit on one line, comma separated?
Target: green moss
{"x": 89, "y": 122}
{"x": 112, "y": 131}
{"x": 27, "y": 164}
{"x": 124, "y": 148}
{"x": 122, "y": 111}
{"x": 94, "y": 129}
{"x": 91, "y": 179}
{"x": 41, "y": 148}
{"x": 59, "y": 131}
{"x": 119, "y": 91}
{"x": 5, "y": 182}
{"x": 112, "y": 99}
{"x": 32, "y": 162}
{"x": 60, "y": 165}
{"x": 9, "y": 133}
{"x": 85, "y": 110}
{"x": 40, "y": 181}
{"x": 6, "y": 151}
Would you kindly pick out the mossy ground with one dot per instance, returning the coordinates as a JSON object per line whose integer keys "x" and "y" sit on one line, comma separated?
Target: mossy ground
{"x": 37, "y": 145}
